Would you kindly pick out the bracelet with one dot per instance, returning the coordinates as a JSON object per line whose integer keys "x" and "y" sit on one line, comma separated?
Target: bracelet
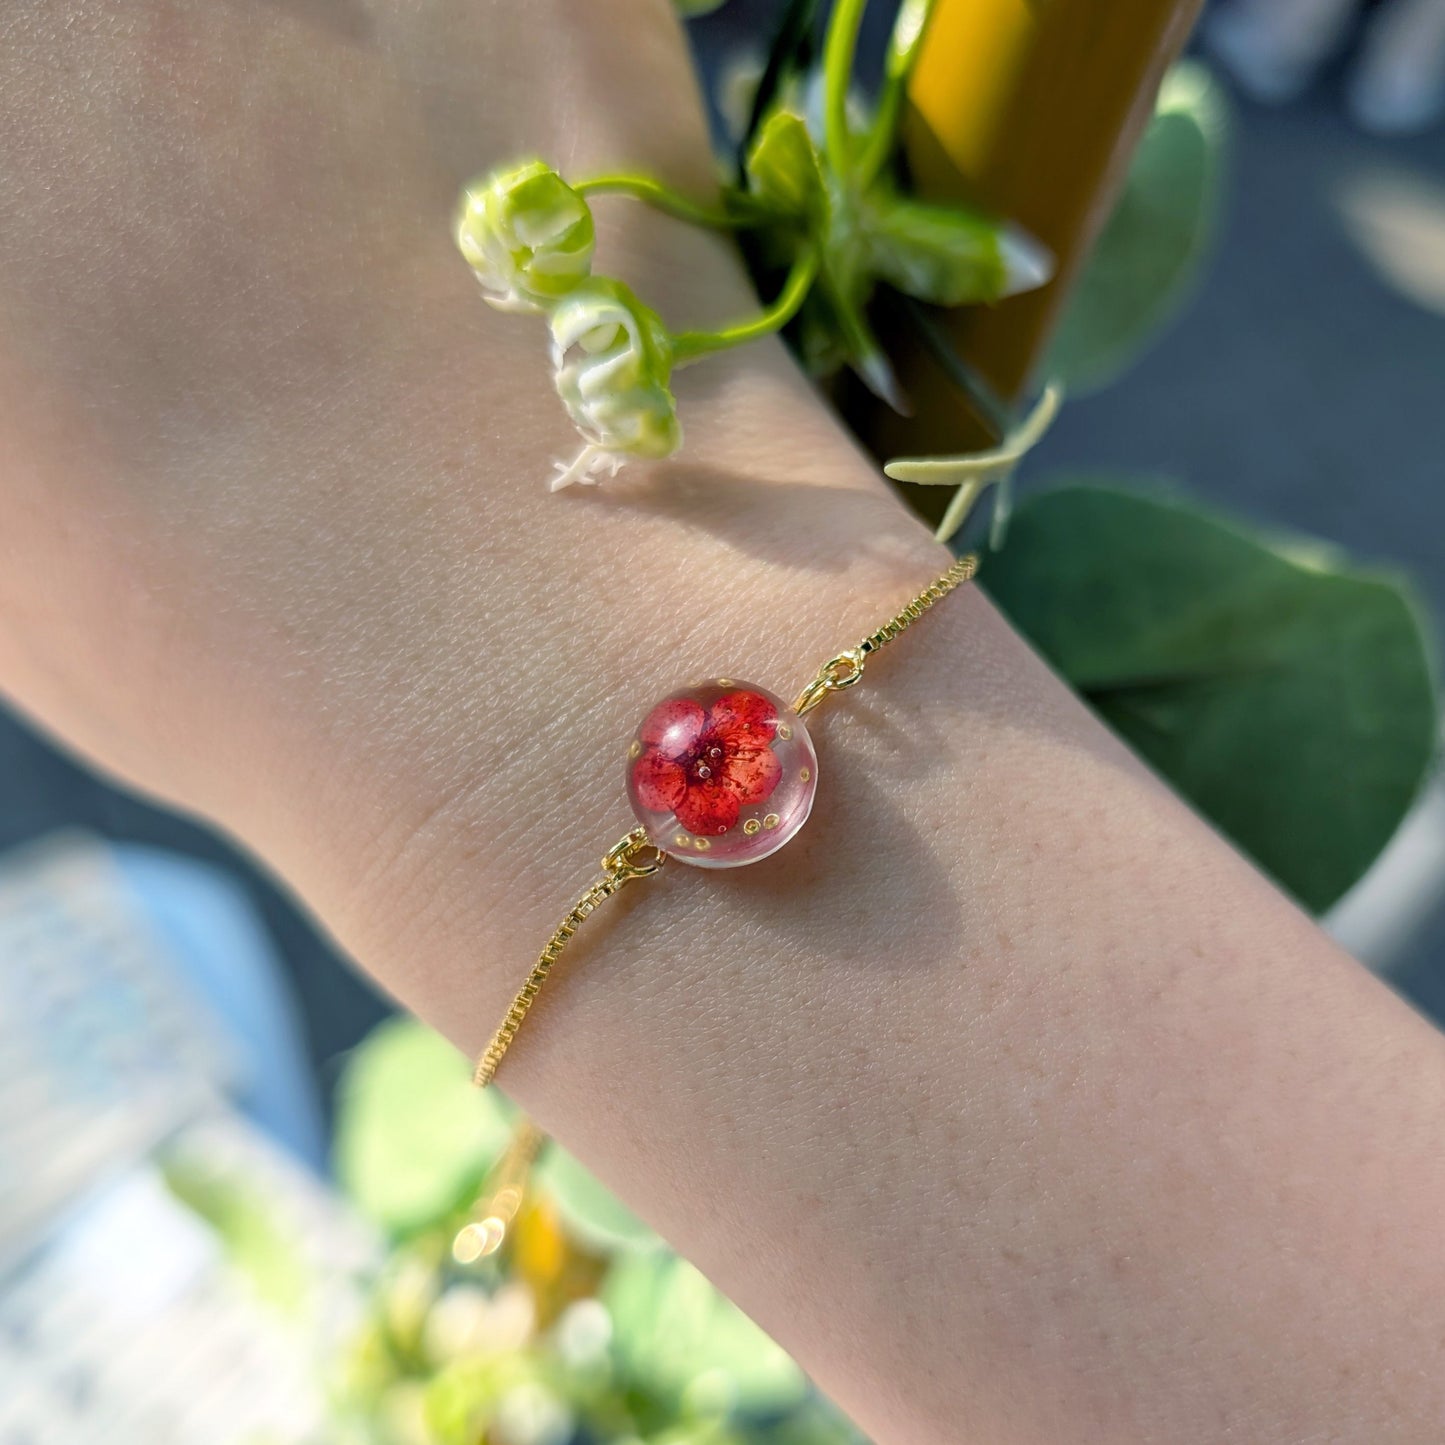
{"x": 719, "y": 774}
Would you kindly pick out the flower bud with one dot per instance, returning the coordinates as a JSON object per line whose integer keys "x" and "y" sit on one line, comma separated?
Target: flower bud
{"x": 527, "y": 234}
{"x": 613, "y": 361}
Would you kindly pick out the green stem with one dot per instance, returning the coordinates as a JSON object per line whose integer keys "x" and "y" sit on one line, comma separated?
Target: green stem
{"x": 903, "y": 47}
{"x": 981, "y": 394}
{"x": 663, "y": 198}
{"x": 838, "y": 51}
{"x": 690, "y": 346}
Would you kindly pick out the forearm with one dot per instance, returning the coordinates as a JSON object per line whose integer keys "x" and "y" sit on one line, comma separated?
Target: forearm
{"x": 1006, "y": 1097}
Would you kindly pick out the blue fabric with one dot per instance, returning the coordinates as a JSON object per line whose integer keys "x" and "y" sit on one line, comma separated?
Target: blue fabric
{"x": 230, "y": 962}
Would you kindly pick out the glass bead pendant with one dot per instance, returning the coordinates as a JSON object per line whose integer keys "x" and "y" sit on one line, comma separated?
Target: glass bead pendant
{"x": 721, "y": 774}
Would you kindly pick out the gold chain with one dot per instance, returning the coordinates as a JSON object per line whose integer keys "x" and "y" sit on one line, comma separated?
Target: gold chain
{"x": 962, "y": 571}
{"x": 846, "y": 669}
{"x": 635, "y": 856}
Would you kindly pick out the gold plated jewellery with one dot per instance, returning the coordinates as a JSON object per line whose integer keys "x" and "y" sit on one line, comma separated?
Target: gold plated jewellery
{"x": 719, "y": 775}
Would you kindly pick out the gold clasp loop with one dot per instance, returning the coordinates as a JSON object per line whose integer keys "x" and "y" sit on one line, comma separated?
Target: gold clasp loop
{"x": 837, "y": 673}
{"x": 634, "y": 856}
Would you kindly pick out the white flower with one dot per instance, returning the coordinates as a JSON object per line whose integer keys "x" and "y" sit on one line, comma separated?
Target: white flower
{"x": 527, "y": 234}
{"x": 613, "y": 361}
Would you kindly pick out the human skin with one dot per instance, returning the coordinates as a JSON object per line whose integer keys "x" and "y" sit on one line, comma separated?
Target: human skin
{"x": 1007, "y": 1097}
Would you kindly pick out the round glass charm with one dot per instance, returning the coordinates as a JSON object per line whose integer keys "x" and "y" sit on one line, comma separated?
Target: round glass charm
{"x": 721, "y": 774}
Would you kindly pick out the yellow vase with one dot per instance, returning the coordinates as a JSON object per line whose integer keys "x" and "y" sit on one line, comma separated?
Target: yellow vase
{"x": 1031, "y": 109}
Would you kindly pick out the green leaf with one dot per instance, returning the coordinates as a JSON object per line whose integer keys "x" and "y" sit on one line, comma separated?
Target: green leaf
{"x": 946, "y": 255}
{"x": 412, "y": 1134}
{"x": 1148, "y": 256}
{"x": 588, "y": 1208}
{"x": 461, "y": 1399}
{"x": 785, "y": 172}
{"x": 697, "y": 1432}
{"x": 679, "y": 1339}
{"x": 1290, "y": 700}
{"x": 789, "y": 53}
{"x": 255, "y": 1241}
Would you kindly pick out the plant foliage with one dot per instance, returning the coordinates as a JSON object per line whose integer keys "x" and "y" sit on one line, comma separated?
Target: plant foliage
{"x": 1286, "y": 695}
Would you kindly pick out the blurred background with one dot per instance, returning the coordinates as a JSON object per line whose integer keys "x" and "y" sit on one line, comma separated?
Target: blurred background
{"x": 177, "y": 1041}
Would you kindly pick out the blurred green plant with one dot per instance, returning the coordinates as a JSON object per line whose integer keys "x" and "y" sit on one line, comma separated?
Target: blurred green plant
{"x": 254, "y": 1240}
{"x": 406, "y": 1169}
{"x": 583, "y": 1326}
{"x": 1286, "y": 695}
{"x": 1147, "y": 261}
{"x": 690, "y": 1347}
{"x": 1290, "y": 698}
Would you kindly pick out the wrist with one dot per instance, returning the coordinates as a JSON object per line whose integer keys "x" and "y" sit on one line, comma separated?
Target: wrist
{"x": 459, "y": 710}
{"x": 696, "y": 570}
{"x": 474, "y": 878}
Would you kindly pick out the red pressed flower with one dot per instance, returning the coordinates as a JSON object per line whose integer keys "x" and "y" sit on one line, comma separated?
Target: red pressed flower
{"x": 707, "y": 764}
